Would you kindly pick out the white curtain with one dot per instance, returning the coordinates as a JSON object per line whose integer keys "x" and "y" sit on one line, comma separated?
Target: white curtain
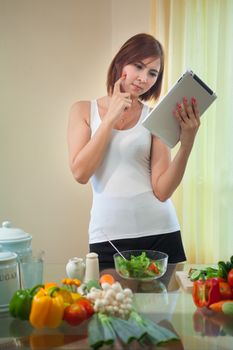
{"x": 198, "y": 34}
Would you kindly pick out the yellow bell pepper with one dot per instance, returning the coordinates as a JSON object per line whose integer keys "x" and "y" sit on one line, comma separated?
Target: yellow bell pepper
{"x": 76, "y": 296}
{"x": 47, "y": 308}
{"x": 66, "y": 296}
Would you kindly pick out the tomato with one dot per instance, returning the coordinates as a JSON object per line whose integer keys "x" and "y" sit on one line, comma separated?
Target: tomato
{"x": 87, "y": 304}
{"x": 75, "y": 313}
{"x": 153, "y": 267}
{"x": 230, "y": 277}
{"x": 225, "y": 290}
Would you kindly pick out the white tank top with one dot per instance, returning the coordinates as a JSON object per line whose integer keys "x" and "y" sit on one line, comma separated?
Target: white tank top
{"x": 124, "y": 205}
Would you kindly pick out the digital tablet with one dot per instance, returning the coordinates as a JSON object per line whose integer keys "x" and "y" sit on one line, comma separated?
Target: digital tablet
{"x": 161, "y": 122}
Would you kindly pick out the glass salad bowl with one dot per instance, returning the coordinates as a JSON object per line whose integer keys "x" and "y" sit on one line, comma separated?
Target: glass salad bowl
{"x": 143, "y": 265}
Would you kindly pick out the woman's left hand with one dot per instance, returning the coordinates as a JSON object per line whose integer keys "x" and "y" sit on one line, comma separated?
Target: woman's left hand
{"x": 188, "y": 117}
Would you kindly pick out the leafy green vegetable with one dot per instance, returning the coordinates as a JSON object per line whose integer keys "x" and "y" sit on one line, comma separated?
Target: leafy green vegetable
{"x": 195, "y": 275}
{"x": 138, "y": 266}
{"x": 209, "y": 272}
{"x": 223, "y": 269}
{"x": 92, "y": 283}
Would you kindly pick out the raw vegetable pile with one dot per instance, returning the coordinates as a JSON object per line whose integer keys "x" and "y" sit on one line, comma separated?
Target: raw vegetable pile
{"x": 115, "y": 318}
{"x": 108, "y": 306}
{"x": 48, "y": 305}
{"x": 213, "y": 287}
{"x": 138, "y": 267}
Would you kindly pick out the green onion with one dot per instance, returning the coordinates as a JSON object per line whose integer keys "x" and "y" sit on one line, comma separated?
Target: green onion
{"x": 103, "y": 329}
{"x": 126, "y": 330}
{"x": 100, "y": 331}
{"x": 155, "y": 334}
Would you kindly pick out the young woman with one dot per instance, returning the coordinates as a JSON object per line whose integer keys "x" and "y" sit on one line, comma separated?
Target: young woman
{"x": 131, "y": 171}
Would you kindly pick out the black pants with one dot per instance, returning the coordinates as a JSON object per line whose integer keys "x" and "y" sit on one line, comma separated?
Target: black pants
{"x": 169, "y": 243}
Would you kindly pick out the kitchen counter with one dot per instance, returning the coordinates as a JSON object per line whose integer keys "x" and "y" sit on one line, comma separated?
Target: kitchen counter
{"x": 162, "y": 300}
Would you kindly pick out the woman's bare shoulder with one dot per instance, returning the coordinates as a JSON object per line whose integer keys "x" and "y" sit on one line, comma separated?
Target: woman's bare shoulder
{"x": 80, "y": 110}
{"x": 80, "y": 106}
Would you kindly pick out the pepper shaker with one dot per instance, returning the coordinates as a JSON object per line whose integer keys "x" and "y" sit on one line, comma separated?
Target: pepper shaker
{"x": 92, "y": 267}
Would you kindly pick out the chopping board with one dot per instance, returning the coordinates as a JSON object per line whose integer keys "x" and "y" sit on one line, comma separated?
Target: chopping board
{"x": 184, "y": 281}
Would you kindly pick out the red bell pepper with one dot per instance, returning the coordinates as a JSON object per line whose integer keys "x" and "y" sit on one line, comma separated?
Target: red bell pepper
{"x": 206, "y": 292}
{"x": 230, "y": 278}
{"x": 198, "y": 293}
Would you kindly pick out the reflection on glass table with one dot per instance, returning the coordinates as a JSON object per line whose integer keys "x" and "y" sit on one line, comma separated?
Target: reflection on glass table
{"x": 162, "y": 300}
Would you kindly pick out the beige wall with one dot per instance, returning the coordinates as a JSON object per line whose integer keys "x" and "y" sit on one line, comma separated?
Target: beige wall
{"x": 53, "y": 52}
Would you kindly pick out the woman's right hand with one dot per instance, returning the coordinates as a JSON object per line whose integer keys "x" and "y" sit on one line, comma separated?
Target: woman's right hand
{"x": 119, "y": 102}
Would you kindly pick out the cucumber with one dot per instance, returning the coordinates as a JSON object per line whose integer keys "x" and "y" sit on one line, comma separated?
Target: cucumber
{"x": 227, "y": 308}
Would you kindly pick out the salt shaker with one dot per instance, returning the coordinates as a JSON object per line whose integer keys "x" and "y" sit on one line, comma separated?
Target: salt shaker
{"x": 92, "y": 267}
{"x": 75, "y": 268}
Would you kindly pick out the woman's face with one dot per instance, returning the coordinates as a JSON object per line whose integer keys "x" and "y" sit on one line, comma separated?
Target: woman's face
{"x": 140, "y": 76}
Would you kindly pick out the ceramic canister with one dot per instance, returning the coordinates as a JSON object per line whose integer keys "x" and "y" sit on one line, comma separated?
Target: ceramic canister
{"x": 15, "y": 240}
{"x": 9, "y": 278}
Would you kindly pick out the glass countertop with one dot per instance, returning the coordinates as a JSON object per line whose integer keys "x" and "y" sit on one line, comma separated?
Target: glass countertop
{"x": 162, "y": 300}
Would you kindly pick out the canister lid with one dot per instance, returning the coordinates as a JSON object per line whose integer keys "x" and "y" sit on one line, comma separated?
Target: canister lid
{"x": 9, "y": 233}
{"x": 92, "y": 255}
{"x": 7, "y": 256}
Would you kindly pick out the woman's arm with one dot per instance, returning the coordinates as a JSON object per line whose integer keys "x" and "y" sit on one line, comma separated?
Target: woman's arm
{"x": 86, "y": 152}
{"x": 166, "y": 175}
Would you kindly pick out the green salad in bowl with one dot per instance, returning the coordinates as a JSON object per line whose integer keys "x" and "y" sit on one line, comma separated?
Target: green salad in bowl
{"x": 142, "y": 265}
